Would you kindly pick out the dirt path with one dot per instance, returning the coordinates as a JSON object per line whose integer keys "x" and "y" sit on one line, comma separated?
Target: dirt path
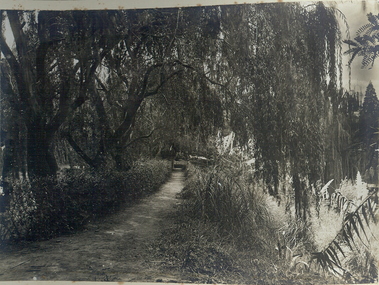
{"x": 114, "y": 249}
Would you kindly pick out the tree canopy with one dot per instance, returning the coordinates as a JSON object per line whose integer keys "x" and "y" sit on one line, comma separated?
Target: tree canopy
{"x": 96, "y": 85}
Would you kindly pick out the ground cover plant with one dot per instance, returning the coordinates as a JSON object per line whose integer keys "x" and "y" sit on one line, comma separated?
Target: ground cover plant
{"x": 67, "y": 203}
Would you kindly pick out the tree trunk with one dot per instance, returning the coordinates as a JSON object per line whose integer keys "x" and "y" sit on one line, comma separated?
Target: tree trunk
{"x": 120, "y": 163}
{"x": 40, "y": 158}
{"x": 8, "y": 162}
{"x": 12, "y": 163}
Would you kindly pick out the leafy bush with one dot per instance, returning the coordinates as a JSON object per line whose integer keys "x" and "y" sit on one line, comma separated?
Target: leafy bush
{"x": 50, "y": 206}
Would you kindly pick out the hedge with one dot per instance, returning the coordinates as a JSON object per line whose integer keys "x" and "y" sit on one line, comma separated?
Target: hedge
{"x": 49, "y": 207}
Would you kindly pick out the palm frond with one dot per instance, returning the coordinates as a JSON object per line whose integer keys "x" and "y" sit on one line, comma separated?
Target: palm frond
{"x": 324, "y": 190}
{"x": 350, "y": 233}
{"x": 341, "y": 202}
{"x": 336, "y": 244}
{"x": 373, "y": 19}
{"x": 363, "y": 29}
{"x": 365, "y": 43}
{"x": 350, "y": 42}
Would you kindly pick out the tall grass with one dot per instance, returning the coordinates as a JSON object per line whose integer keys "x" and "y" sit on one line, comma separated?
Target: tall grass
{"x": 48, "y": 207}
{"x": 237, "y": 207}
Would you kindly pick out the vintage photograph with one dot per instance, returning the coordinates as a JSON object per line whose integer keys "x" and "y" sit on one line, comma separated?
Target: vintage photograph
{"x": 220, "y": 143}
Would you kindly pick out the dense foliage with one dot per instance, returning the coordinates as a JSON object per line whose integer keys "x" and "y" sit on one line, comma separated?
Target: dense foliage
{"x": 75, "y": 198}
{"x": 94, "y": 85}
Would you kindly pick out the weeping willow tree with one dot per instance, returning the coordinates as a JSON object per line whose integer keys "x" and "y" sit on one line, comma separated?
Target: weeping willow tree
{"x": 271, "y": 73}
{"x": 286, "y": 84}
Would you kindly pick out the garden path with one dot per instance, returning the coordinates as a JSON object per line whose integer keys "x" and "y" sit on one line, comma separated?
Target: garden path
{"x": 116, "y": 248}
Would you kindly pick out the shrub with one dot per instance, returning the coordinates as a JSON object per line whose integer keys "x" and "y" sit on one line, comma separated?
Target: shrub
{"x": 48, "y": 207}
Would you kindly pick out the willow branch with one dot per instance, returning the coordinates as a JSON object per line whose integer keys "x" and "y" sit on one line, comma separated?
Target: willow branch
{"x": 141, "y": 137}
{"x": 199, "y": 72}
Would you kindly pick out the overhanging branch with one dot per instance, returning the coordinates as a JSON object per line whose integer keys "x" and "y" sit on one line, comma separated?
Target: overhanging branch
{"x": 160, "y": 85}
{"x": 78, "y": 150}
{"x": 199, "y": 72}
{"x": 140, "y": 138}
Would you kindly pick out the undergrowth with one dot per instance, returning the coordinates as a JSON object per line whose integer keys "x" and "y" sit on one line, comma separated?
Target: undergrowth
{"x": 229, "y": 230}
{"x": 48, "y": 207}
{"x": 224, "y": 233}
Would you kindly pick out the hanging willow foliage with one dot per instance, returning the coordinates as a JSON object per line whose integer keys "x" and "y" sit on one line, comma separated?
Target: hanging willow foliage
{"x": 289, "y": 70}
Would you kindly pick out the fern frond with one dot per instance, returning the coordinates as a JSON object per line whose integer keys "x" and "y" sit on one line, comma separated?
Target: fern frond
{"x": 373, "y": 31}
{"x": 354, "y": 52}
{"x": 366, "y": 41}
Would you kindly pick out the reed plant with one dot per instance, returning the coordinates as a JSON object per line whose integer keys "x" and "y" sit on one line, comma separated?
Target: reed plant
{"x": 237, "y": 207}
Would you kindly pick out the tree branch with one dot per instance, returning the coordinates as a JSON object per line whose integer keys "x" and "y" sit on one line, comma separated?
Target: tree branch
{"x": 100, "y": 110}
{"x": 67, "y": 108}
{"x": 146, "y": 78}
{"x": 6, "y": 87}
{"x": 24, "y": 72}
{"x": 18, "y": 74}
{"x": 107, "y": 93}
{"x": 199, "y": 72}
{"x": 141, "y": 137}
{"x": 132, "y": 105}
{"x": 163, "y": 82}
{"x": 78, "y": 149}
